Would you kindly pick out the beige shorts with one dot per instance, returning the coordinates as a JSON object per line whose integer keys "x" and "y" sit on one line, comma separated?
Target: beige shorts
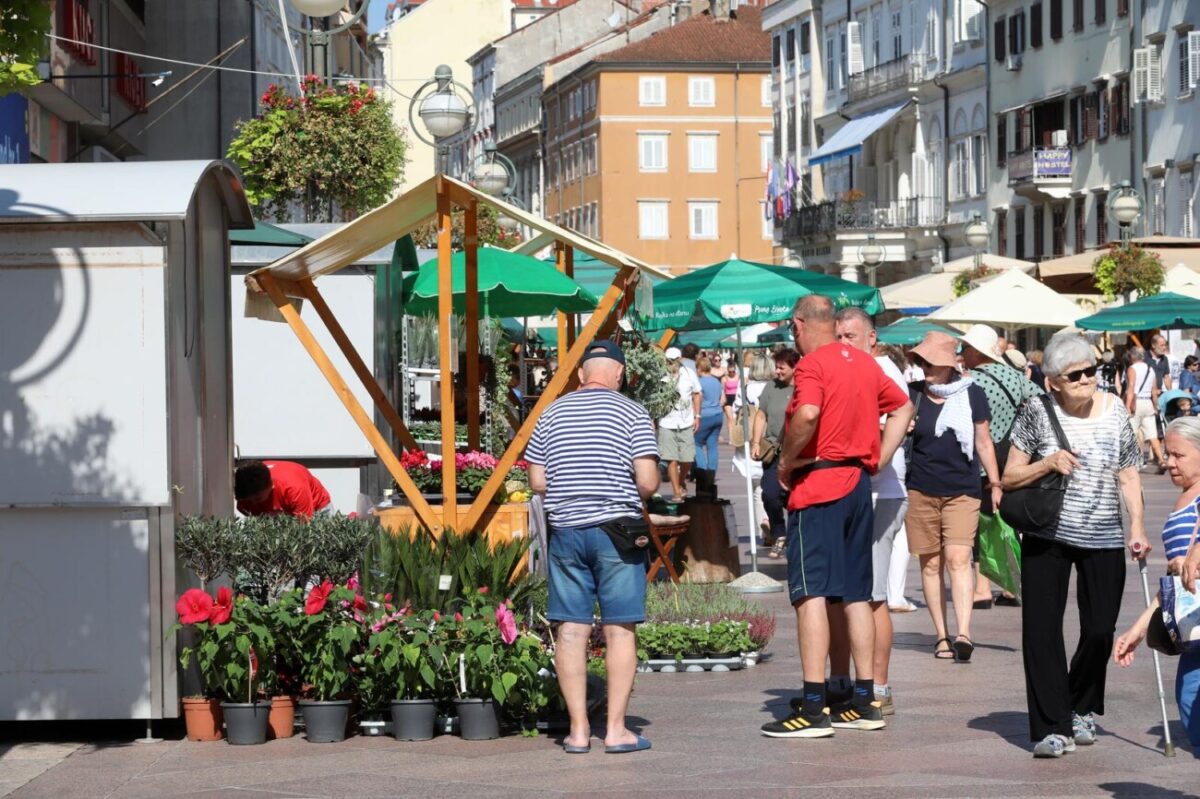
{"x": 933, "y": 522}
{"x": 677, "y": 445}
{"x": 1143, "y": 419}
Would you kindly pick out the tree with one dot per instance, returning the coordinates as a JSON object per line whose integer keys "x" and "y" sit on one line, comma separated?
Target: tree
{"x": 332, "y": 145}
{"x": 23, "y": 28}
{"x": 487, "y": 230}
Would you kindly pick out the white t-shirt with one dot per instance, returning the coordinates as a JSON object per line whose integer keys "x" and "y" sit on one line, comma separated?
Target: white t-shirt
{"x": 683, "y": 414}
{"x": 754, "y": 390}
{"x": 1143, "y": 384}
{"x": 889, "y": 483}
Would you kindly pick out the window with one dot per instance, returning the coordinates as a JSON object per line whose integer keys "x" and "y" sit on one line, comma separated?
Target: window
{"x": 1002, "y": 233}
{"x": 1056, "y": 19}
{"x": 652, "y": 152}
{"x": 701, "y": 91}
{"x": 791, "y": 128}
{"x": 764, "y": 149}
{"x": 768, "y": 222}
{"x": 1077, "y": 22}
{"x": 702, "y": 152}
{"x": 844, "y": 55}
{"x": 1158, "y": 206}
{"x": 805, "y": 35}
{"x": 777, "y": 134}
{"x": 831, "y": 81}
{"x": 1119, "y": 107}
{"x": 702, "y": 220}
{"x": 1189, "y": 62}
{"x": 897, "y": 35}
{"x": 790, "y": 47}
{"x": 1102, "y": 113}
{"x": 1035, "y": 25}
{"x": 1001, "y": 139}
{"x": 1016, "y": 32}
{"x": 978, "y": 163}
{"x": 765, "y": 97}
{"x": 1058, "y": 233}
{"x": 960, "y": 175}
{"x": 1039, "y": 232}
{"x": 1101, "y": 218}
{"x": 652, "y": 219}
{"x": 1024, "y": 129}
{"x": 1122, "y": 8}
{"x": 1020, "y": 232}
{"x": 999, "y": 40}
{"x": 652, "y": 90}
{"x": 1187, "y": 205}
{"x": 804, "y": 122}
{"x": 1101, "y": 11}
{"x": 776, "y": 55}
{"x": 1080, "y": 226}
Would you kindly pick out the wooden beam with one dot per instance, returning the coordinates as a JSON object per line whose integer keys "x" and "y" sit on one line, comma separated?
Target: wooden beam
{"x": 290, "y": 288}
{"x": 457, "y": 194}
{"x": 445, "y": 353}
{"x": 560, "y": 263}
{"x": 470, "y": 244}
{"x": 665, "y": 341}
{"x": 356, "y": 410}
{"x": 365, "y": 376}
{"x": 572, "y": 319}
{"x": 567, "y": 362}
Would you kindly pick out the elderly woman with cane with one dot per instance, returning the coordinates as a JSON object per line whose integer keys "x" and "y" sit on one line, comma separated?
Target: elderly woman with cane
{"x": 1100, "y": 455}
{"x": 1182, "y": 444}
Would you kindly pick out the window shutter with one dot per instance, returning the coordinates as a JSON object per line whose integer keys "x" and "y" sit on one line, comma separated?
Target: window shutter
{"x": 1101, "y": 11}
{"x": 1102, "y": 113}
{"x": 998, "y": 44}
{"x": 1141, "y": 73}
{"x": 1035, "y": 25}
{"x": 1122, "y": 8}
{"x": 1154, "y": 73}
{"x": 1193, "y": 43}
{"x": 1001, "y": 139}
{"x": 854, "y": 31}
{"x": 1056, "y": 19}
{"x": 1012, "y": 35}
{"x": 1091, "y": 123}
{"x": 805, "y": 35}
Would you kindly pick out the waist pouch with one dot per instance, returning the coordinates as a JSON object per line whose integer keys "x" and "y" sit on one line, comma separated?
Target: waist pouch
{"x": 629, "y": 534}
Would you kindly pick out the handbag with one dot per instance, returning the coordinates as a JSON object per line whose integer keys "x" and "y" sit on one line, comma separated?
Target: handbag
{"x": 1035, "y": 508}
{"x": 1180, "y": 615}
{"x": 737, "y": 431}
{"x": 768, "y": 451}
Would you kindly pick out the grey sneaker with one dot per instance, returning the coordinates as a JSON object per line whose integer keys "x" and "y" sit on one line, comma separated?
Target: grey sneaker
{"x": 1053, "y": 746}
{"x": 886, "y": 705}
{"x": 1084, "y": 729}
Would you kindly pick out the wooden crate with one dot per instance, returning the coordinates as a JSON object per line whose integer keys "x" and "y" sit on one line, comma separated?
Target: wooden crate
{"x": 499, "y": 522}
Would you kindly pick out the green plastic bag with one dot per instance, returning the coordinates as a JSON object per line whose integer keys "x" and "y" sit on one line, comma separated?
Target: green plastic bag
{"x": 1000, "y": 554}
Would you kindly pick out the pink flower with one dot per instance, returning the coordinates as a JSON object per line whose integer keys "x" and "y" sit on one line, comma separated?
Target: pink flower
{"x": 353, "y": 583}
{"x": 483, "y": 589}
{"x": 458, "y": 616}
{"x": 437, "y": 616}
{"x": 506, "y": 623}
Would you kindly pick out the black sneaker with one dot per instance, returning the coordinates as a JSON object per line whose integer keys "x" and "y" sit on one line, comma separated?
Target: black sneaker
{"x": 849, "y": 716}
{"x": 800, "y": 725}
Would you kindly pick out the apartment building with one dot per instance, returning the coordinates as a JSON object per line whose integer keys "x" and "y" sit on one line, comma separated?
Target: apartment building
{"x": 880, "y": 110}
{"x": 655, "y": 147}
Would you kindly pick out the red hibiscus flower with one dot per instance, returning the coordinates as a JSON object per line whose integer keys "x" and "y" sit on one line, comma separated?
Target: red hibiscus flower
{"x": 222, "y": 609}
{"x": 253, "y": 663}
{"x": 458, "y": 616}
{"x": 437, "y": 616}
{"x": 194, "y": 606}
{"x": 317, "y": 598}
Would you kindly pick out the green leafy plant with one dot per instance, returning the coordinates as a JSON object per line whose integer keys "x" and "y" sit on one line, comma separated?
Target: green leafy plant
{"x": 208, "y": 546}
{"x": 963, "y": 280}
{"x": 233, "y": 644}
{"x": 488, "y": 232}
{"x": 402, "y": 657}
{"x": 649, "y": 380}
{"x": 1120, "y": 271}
{"x": 328, "y": 637}
{"x": 332, "y": 145}
{"x": 23, "y": 28}
{"x": 679, "y": 640}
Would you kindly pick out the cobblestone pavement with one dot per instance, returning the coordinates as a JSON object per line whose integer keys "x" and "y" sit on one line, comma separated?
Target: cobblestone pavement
{"x": 960, "y": 731}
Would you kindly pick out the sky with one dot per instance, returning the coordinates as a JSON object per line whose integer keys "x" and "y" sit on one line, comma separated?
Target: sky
{"x": 375, "y": 15}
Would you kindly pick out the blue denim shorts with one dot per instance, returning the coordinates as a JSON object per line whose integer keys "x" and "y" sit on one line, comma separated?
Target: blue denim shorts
{"x": 585, "y": 568}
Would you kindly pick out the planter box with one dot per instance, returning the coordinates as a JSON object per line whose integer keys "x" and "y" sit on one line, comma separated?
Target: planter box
{"x": 697, "y": 664}
{"x": 499, "y": 522}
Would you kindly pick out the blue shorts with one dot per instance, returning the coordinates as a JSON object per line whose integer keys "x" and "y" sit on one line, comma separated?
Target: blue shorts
{"x": 829, "y": 547}
{"x": 585, "y": 568}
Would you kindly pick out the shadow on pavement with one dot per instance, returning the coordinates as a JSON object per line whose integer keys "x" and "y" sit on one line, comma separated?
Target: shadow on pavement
{"x": 1008, "y": 724}
{"x": 1138, "y": 790}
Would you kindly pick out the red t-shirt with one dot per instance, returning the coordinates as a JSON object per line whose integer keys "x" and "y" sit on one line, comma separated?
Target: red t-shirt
{"x": 852, "y": 393}
{"x": 294, "y": 490}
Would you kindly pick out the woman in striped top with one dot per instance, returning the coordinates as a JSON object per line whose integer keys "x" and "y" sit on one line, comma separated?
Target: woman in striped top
{"x": 1102, "y": 462}
{"x": 1182, "y": 443}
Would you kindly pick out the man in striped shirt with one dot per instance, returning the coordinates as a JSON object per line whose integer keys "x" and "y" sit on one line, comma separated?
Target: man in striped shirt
{"x": 594, "y": 456}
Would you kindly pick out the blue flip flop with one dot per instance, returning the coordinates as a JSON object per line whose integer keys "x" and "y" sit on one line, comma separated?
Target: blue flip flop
{"x": 572, "y": 749}
{"x": 640, "y": 746}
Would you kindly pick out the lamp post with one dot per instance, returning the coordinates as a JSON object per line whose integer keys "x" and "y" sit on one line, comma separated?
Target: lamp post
{"x": 870, "y": 254}
{"x": 505, "y": 222}
{"x": 1124, "y": 207}
{"x": 320, "y": 9}
{"x": 492, "y": 172}
{"x": 978, "y": 234}
{"x": 442, "y": 111}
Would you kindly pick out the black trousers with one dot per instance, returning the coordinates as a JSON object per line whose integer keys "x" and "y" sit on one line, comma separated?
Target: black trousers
{"x": 774, "y": 500}
{"x": 1053, "y": 689}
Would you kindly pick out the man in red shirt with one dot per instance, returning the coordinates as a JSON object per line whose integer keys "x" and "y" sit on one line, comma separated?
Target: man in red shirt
{"x": 263, "y": 488}
{"x": 831, "y": 447}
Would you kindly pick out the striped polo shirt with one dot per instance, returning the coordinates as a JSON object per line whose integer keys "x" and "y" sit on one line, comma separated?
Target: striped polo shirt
{"x": 587, "y": 442}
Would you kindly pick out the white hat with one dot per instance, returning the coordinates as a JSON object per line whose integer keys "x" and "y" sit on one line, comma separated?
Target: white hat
{"x": 983, "y": 339}
{"x": 673, "y": 353}
{"x": 1016, "y": 359}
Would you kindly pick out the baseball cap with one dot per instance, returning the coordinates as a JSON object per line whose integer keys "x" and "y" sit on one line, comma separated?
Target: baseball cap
{"x": 673, "y": 353}
{"x": 603, "y": 348}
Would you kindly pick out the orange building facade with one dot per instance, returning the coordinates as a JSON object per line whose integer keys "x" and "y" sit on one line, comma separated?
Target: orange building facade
{"x": 660, "y": 148}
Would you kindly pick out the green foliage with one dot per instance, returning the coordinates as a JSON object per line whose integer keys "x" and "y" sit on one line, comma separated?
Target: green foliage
{"x": 402, "y": 658}
{"x": 678, "y": 640}
{"x": 209, "y": 547}
{"x": 696, "y": 617}
{"x": 1120, "y": 271}
{"x": 649, "y": 380}
{"x": 327, "y": 639}
{"x": 332, "y": 145}
{"x": 486, "y": 229}
{"x": 235, "y": 658}
{"x": 963, "y": 280}
{"x": 23, "y": 28}
{"x": 432, "y": 431}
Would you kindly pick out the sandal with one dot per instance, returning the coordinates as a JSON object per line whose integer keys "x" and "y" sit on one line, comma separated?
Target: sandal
{"x": 944, "y": 654}
{"x": 963, "y": 648}
{"x": 776, "y": 550}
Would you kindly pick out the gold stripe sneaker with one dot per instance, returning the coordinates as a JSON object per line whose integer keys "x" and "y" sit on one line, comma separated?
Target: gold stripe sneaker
{"x": 801, "y": 725}
{"x": 849, "y": 716}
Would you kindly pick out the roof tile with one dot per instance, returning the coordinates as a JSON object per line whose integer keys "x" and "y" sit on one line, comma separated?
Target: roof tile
{"x": 702, "y": 39}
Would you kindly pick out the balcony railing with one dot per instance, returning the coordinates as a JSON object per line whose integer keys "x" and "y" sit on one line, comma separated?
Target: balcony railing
{"x": 901, "y": 73}
{"x": 840, "y": 215}
{"x": 1040, "y": 164}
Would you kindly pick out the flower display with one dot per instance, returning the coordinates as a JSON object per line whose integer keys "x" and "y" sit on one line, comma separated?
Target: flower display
{"x": 507, "y": 624}
{"x": 222, "y": 608}
{"x": 317, "y": 598}
{"x": 472, "y": 469}
{"x": 194, "y": 606}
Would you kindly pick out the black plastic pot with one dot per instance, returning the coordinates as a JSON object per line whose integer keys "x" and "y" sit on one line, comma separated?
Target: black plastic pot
{"x": 413, "y": 719}
{"x": 325, "y": 722}
{"x": 246, "y": 722}
{"x": 477, "y": 719}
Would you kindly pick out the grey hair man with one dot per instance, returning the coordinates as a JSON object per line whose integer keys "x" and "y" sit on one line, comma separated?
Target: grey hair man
{"x": 1160, "y": 360}
{"x": 1141, "y": 399}
{"x": 594, "y": 457}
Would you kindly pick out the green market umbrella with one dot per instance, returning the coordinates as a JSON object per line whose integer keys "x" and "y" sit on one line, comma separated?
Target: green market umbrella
{"x": 510, "y": 284}
{"x": 1167, "y": 310}
{"x": 746, "y": 293}
{"x": 910, "y": 331}
{"x": 595, "y": 275}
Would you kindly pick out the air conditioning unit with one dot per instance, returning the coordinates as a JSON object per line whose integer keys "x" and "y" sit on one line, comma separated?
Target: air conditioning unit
{"x": 1013, "y": 62}
{"x": 1058, "y": 138}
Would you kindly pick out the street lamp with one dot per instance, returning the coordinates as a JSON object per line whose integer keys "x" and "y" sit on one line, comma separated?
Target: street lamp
{"x": 870, "y": 254}
{"x": 443, "y": 112}
{"x": 505, "y": 222}
{"x": 1124, "y": 208}
{"x": 791, "y": 259}
{"x": 320, "y": 9}
{"x": 977, "y": 233}
{"x": 492, "y": 172}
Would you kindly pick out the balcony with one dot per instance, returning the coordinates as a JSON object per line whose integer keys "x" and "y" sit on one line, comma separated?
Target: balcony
{"x": 835, "y": 216}
{"x": 1041, "y": 170}
{"x": 890, "y": 76}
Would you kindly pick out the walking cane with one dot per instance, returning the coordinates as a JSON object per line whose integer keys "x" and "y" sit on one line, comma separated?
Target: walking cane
{"x": 1168, "y": 746}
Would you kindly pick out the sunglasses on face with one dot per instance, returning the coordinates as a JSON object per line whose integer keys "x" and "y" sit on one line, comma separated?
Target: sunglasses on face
{"x": 919, "y": 362}
{"x": 1079, "y": 374}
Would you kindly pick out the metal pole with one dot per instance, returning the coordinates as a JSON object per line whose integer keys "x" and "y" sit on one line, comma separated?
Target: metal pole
{"x": 1168, "y": 746}
{"x": 746, "y": 449}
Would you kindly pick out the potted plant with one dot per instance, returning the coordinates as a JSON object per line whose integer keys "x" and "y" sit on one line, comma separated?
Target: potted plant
{"x": 327, "y": 637}
{"x": 233, "y": 643}
{"x": 401, "y": 660}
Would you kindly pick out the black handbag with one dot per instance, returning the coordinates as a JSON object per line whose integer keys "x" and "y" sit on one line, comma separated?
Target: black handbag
{"x": 1035, "y": 508}
{"x": 630, "y": 535}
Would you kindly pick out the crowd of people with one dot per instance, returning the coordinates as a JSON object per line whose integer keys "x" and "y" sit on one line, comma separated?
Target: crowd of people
{"x": 863, "y": 457}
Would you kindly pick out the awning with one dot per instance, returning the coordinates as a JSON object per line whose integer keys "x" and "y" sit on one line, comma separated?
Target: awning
{"x": 265, "y": 234}
{"x": 1074, "y": 273}
{"x": 849, "y": 140}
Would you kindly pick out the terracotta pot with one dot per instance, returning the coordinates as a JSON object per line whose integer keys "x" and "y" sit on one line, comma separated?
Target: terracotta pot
{"x": 203, "y": 718}
{"x": 282, "y": 721}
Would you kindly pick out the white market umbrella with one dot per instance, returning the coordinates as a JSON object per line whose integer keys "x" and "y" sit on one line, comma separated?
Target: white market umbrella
{"x": 935, "y": 289}
{"x": 1182, "y": 280}
{"x": 1012, "y": 299}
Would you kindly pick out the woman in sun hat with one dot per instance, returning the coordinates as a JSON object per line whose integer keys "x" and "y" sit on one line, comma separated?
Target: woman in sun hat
{"x": 951, "y": 442}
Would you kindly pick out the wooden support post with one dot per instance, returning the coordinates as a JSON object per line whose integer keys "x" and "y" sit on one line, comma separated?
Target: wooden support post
{"x": 572, "y": 319}
{"x": 356, "y": 410}
{"x": 560, "y": 262}
{"x": 470, "y": 244}
{"x": 567, "y": 362}
{"x": 665, "y": 341}
{"x": 445, "y": 353}
{"x": 356, "y": 363}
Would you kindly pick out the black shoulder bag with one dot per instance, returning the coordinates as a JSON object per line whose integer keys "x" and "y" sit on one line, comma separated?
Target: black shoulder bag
{"x": 1035, "y": 508}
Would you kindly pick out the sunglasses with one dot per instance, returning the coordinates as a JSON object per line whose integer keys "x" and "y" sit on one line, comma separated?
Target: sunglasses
{"x": 919, "y": 362}
{"x": 1079, "y": 374}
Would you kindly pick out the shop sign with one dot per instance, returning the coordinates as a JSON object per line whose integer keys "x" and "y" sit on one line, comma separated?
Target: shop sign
{"x": 81, "y": 30}
{"x": 14, "y": 136}
{"x": 130, "y": 88}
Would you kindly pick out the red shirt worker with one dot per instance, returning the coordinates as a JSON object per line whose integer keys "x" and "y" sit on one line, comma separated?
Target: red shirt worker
{"x": 264, "y": 488}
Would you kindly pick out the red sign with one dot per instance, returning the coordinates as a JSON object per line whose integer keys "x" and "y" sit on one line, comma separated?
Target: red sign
{"x": 130, "y": 88}
{"x": 81, "y": 30}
